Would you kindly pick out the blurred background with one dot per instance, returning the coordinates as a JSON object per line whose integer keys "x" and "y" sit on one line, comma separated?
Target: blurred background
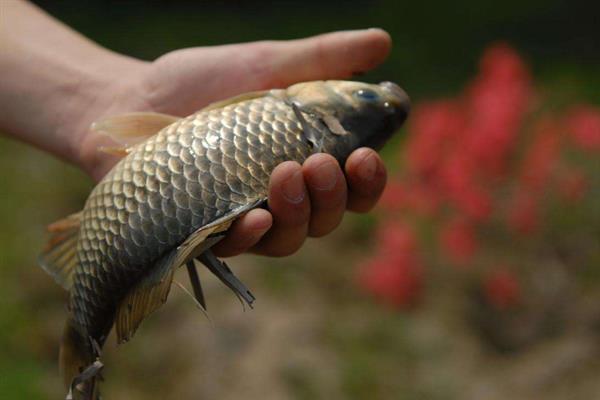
{"x": 478, "y": 275}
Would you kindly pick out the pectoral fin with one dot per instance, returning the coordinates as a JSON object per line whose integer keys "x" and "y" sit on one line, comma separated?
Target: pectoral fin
{"x": 312, "y": 135}
{"x": 152, "y": 291}
{"x": 196, "y": 285}
{"x": 334, "y": 125}
{"x": 225, "y": 275}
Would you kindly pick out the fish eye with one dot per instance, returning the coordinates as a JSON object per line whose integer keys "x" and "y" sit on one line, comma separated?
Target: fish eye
{"x": 366, "y": 95}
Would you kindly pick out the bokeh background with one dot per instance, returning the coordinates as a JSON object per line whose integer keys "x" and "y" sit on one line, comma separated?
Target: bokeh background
{"x": 477, "y": 277}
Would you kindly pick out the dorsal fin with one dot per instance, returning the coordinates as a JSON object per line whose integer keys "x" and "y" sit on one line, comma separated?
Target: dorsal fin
{"x": 236, "y": 99}
{"x": 133, "y": 128}
{"x": 59, "y": 258}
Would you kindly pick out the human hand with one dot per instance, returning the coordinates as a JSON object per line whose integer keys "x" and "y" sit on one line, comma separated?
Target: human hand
{"x": 307, "y": 200}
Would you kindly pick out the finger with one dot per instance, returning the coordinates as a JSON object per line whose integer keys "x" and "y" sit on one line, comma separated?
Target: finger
{"x": 289, "y": 204}
{"x": 329, "y": 56}
{"x": 366, "y": 177}
{"x": 244, "y": 233}
{"x": 259, "y": 65}
{"x": 327, "y": 189}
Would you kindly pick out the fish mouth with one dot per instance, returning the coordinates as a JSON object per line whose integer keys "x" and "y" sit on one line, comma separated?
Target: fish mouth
{"x": 398, "y": 100}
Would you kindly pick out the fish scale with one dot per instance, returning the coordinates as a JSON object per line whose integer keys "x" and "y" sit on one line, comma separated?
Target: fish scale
{"x": 166, "y": 189}
{"x": 177, "y": 191}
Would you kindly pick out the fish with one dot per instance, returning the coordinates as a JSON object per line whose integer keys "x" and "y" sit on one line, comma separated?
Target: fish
{"x": 180, "y": 184}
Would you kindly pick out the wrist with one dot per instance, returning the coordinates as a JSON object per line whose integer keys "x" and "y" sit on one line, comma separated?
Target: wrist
{"x": 55, "y": 82}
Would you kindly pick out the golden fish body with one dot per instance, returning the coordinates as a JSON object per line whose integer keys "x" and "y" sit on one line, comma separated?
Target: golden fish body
{"x": 176, "y": 193}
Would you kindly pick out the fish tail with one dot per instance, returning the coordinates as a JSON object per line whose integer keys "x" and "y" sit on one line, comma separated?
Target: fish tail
{"x": 79, "y": 364}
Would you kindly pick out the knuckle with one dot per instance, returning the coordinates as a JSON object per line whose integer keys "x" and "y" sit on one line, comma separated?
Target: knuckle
{"x": 294, "y": 216}
{"x": 328, "y": 203}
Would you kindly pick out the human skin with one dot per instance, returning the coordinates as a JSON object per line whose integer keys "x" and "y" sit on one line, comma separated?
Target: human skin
{"x": 54, "y": 83}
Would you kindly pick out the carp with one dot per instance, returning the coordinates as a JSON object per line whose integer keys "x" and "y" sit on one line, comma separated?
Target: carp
{"x": 178, "y": 188}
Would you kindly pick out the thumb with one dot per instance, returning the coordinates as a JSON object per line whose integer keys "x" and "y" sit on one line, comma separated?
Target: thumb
{"x": 184, "y": 80}
{"x": 334, "y": 55}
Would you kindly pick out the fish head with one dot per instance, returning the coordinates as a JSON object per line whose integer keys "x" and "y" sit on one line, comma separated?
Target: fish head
{"x": 357, "y": 114}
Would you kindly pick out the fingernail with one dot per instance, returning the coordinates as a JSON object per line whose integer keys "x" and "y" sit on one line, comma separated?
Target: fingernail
{"x": 293, "y": 188}
{"x": 368, "y": 167}
{"x": 326, "y": 176}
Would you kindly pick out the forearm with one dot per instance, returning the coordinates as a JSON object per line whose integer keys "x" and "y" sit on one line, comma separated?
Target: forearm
{"x": 52, "y": 79}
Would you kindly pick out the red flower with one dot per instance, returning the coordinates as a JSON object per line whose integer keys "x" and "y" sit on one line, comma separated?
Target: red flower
{"x": 572, "y": 185}
{"x": 474, "y": 203}
{"x": 433, "y": 128}
{"x": 393, "y": 197}
{"x": 462, "y": 188}
{"x": 395, "y": 275}
{"x": 523, "y": 212}
{"x": 394, "y": 238}
{"x": 457, "y": 240}
{"x": 583, "y": 124}
{"x": 415, "y": 197}
{"x": 502, "y": 289}
{"x": 457, "y": 174}
{"x": 423, "y": 199}
{"x": 498, "y": 99}
{"x": 461, "y": 153}
{"x": 396, "y": 281}
{"x": 501, "y": 62}
{"x": 542, "y": 155}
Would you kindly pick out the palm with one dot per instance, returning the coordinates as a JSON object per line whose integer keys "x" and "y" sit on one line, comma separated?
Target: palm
{"x": 183, "y": 81}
